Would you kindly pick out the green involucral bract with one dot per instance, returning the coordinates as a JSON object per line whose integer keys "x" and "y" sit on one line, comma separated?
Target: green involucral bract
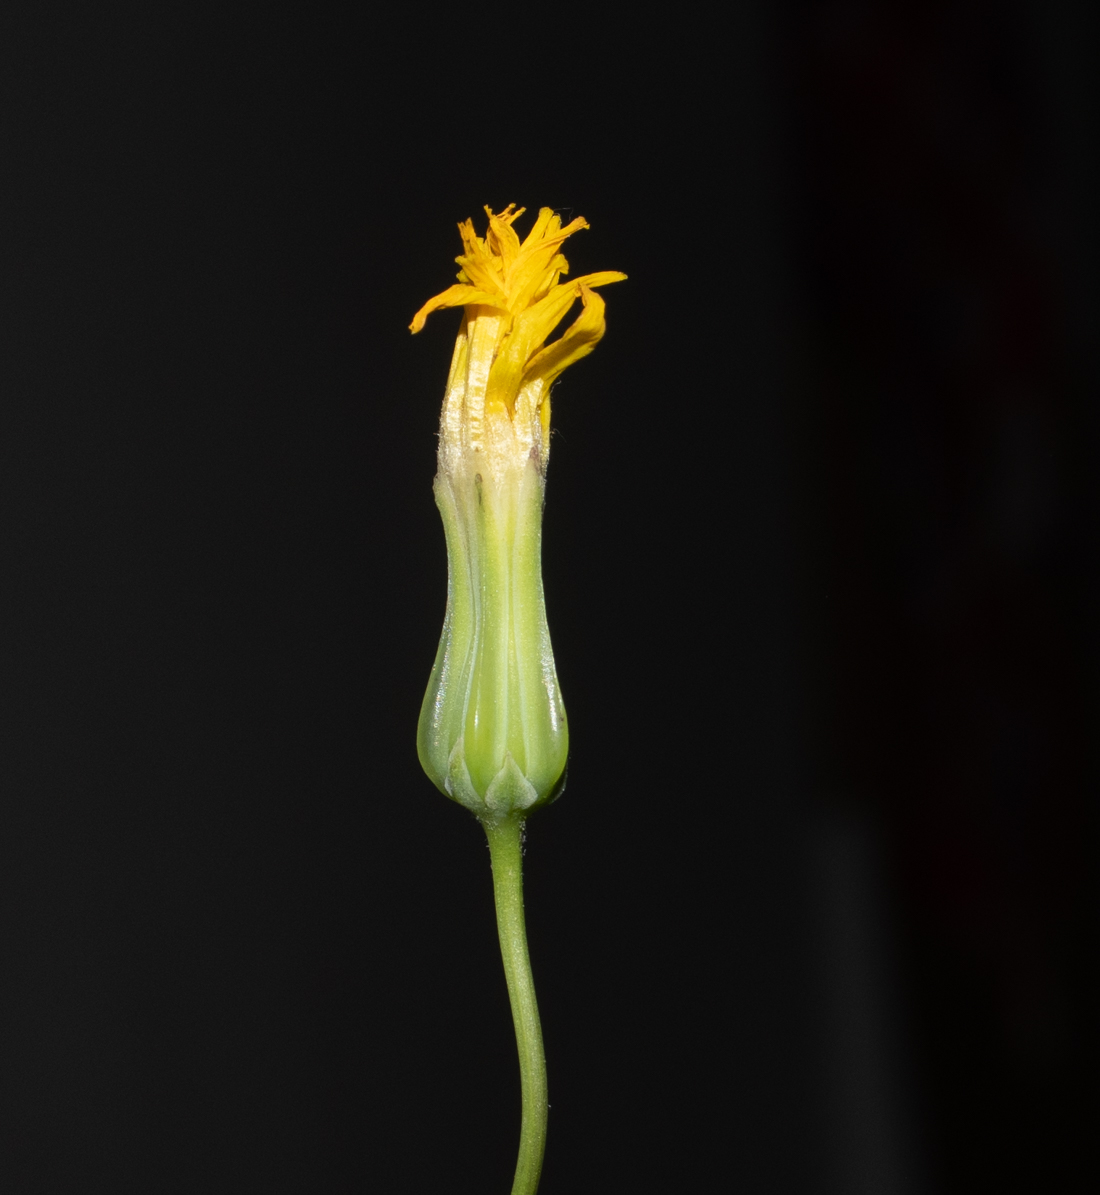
{"x": 492, "y": 732}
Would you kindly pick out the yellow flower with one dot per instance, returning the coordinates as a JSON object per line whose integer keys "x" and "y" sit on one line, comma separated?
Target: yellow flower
{"x": 493, "y": 733}
{"x": 497, "y": 403}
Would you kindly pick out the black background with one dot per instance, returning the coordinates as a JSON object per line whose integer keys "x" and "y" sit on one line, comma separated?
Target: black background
{"x": 814, "y": 912}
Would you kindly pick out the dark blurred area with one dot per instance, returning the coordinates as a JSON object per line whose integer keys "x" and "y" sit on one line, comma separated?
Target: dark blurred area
{"x": 946, "y": 257}
{"x": 817, "y": 911}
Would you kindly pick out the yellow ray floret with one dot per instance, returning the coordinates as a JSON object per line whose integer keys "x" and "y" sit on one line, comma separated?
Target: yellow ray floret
{"x": 514, "y": 299}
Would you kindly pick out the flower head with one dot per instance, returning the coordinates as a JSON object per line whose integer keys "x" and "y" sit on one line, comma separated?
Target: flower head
{"x": 497, "y": 404}
{"x": 493, "y": 734}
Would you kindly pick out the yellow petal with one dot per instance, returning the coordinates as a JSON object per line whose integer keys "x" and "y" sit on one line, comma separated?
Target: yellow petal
{"x": 502, "y": 236}
{"x": 482, "y": 271}
{"x": 556, "y": 269}
{"x": 530, "y": 329}
{"x": 547, "y": 221}
{"x": 454, "y": 296}
{"x": 537, "y": 255}
{"x": 600, "y": 278}
{"x": 539, "y": 320}
{"x": 578, "y": 340}
{"x": 480, "y": 265}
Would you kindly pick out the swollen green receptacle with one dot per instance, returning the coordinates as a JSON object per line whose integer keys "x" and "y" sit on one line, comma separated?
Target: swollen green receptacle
{"x": 493, "y": 732}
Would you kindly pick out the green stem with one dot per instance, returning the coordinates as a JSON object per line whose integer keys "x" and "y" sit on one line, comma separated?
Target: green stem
{"x": 505, "y": 849}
